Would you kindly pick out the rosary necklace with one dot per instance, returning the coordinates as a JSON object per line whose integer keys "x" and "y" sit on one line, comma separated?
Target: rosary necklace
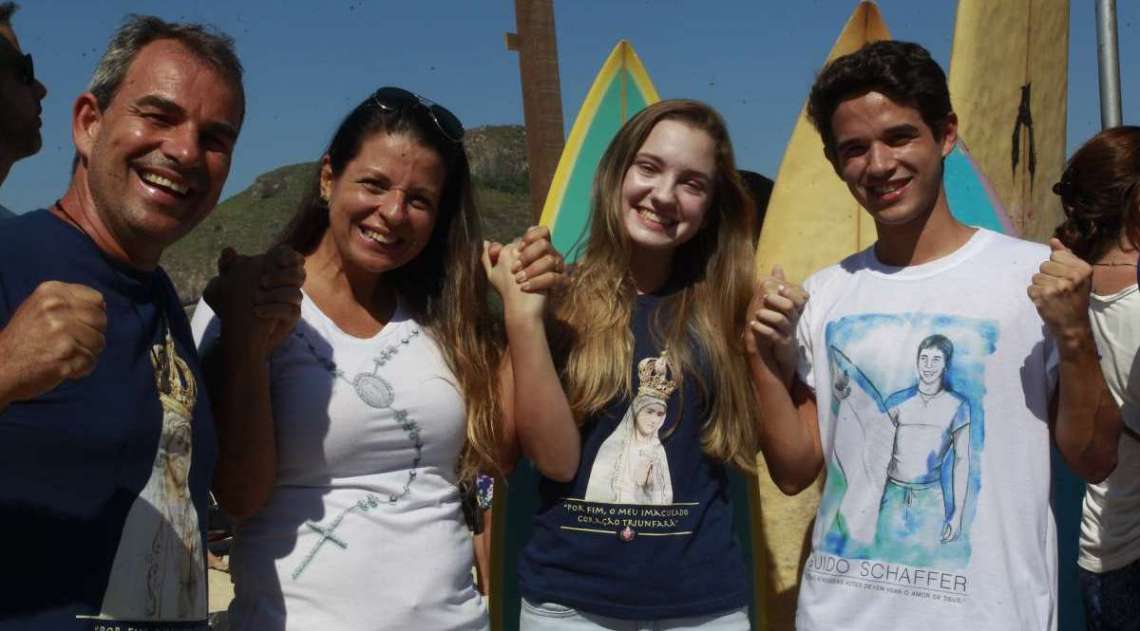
{"x": 375, "y": 392}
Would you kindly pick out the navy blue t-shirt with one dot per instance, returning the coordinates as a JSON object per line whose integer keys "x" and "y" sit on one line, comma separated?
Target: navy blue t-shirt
{"x": 645, "y": 529}
{"x": 103, "y": 482}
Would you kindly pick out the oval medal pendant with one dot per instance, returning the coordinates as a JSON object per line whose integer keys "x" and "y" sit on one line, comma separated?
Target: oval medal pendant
{"x": 373, "y": 390}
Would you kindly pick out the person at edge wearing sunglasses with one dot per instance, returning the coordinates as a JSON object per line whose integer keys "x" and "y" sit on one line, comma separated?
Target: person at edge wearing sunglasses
{"x": 1100, "y": 193}
{"x": 20, "y": 96}
{"x": 636, "y": 404}
{"x": 355, "y": 371}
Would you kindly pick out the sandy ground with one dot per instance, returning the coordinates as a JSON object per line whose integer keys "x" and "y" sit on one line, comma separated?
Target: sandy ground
{"x": 221, "y": 590}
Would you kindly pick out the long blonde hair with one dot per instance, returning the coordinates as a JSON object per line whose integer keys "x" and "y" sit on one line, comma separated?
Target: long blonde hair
{"x": 706, "y": 316}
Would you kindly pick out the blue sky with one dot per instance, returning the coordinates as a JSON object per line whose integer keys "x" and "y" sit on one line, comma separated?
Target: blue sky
{"x": 308, "y": 63}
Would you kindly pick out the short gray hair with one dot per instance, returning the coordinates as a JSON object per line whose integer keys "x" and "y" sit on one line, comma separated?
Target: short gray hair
{"x": 206, "y": 43}
{"x": 6, "y": 11}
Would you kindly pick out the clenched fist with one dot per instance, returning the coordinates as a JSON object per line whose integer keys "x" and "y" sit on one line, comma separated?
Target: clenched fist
{"x": 770, "y": 333}
{"x": 258, "y": 298}
{"x": 1060, "y": 291}
{"x": 56, "y": 334}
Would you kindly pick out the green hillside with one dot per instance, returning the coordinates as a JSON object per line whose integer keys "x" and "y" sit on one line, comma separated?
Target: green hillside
{"x": 252, "y": 219}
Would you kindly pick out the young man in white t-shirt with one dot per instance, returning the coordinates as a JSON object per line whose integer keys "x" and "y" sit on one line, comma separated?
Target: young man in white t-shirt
{"x": 925, "y": 380}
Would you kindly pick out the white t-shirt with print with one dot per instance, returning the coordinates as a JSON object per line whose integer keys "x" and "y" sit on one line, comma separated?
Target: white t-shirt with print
{"x": 1110, "y": 519}
{"x": 946, "y": 524}
{"x": 362, "y": 531}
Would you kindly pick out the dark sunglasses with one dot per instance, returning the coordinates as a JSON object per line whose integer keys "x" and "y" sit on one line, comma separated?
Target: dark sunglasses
{"x": 25, "y": 69}
{"x": 1064, "y": 188}
{"x": 392, "y": 99}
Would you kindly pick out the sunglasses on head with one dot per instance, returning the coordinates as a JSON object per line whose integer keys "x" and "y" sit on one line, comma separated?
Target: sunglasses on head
{"x": 1064, "y": 188}
{"x": 25, "y": 69}
{"x": 392, "y": 99}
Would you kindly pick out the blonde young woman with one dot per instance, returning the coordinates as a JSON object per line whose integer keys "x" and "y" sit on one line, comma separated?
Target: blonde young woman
{"x": 350, "y": 407}
{"x": 650, "y": 325}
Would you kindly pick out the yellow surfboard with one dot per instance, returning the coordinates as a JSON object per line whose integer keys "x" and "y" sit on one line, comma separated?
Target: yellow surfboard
{"x": 809, "y": 204}
{"x": 812, "y": 222}
{"x": 1008, "y": 85}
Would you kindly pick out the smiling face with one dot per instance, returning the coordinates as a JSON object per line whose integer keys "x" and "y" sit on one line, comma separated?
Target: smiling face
{"x": 931, "y": 366}
{"x": 155, "y": 160}
{"x": 384, "y": 205}
{"x": 20, "y": 99}
{"x": 889, "y": 157}
{"x": 668, "y": 188}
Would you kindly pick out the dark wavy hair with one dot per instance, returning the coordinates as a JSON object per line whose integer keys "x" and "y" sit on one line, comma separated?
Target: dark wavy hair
{"x": 444, "y": 286}
{"x": 206, "y": 43}
{"x": 1100, "y": 194}
{"x": 902, "y": 71}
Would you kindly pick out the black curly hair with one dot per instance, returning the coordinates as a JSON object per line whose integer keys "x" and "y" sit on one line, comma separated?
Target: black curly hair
{"x": 902, "y": 71}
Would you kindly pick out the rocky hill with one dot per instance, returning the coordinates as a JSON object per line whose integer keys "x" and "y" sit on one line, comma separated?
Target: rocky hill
{"x": 252, "y": 219}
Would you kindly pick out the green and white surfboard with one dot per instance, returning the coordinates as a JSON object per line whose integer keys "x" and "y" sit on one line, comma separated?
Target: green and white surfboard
{"x": 621, "y": 89}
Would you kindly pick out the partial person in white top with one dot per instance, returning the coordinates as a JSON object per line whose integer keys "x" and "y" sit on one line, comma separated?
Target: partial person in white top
{"x": 951, "y": 525}
{"x": 1100, "y": 193}
{"x": 342, "y": 455}
{"x": 366, "y": 454}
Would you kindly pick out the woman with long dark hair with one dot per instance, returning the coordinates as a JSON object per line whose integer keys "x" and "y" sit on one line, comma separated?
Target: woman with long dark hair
{"x": 345, "y": 433}
{"x": 1100, "y": 194}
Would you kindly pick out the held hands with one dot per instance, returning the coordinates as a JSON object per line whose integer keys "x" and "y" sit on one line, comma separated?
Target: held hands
{"x": 56, "y": 334}
{"x": 525, "y": 271}
{"x": 257, "y": 298}
{"x": 1060, "y": 291}
{"x": 770, "y": 334}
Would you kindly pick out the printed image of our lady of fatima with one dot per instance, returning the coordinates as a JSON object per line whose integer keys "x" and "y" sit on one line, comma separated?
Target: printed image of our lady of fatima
{"x": 631, "y": 466}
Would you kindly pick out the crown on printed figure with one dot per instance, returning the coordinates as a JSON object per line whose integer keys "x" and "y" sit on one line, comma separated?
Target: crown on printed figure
{"x": 177, "y": 389}
{"x": 653, "y": 377}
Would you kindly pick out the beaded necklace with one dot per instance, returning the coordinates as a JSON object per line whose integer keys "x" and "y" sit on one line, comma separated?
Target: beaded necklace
{"x": 375, "y": 392}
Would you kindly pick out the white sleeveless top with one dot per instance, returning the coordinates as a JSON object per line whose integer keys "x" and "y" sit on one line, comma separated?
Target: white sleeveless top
{"x": 364, "y": 529}
{"x": 1110, "y": 521}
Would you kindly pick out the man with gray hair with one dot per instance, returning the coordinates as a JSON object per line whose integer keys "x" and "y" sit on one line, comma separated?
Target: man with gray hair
{"x": 107, "y": 443}
{"x": 20, "y": 96}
